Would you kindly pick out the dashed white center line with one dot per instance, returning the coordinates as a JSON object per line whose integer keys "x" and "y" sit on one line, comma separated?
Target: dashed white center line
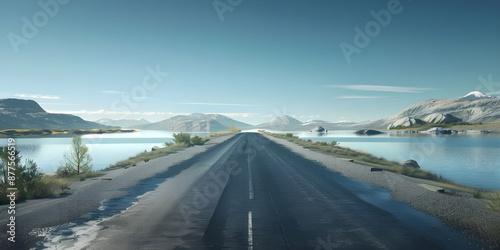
{"x": 250, "y": 180}
{"x": 250, "y": 231}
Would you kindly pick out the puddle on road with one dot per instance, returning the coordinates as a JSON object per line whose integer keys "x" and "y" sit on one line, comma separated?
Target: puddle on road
{"x": 78, "y": 234}
{"x": 429, "y": 225}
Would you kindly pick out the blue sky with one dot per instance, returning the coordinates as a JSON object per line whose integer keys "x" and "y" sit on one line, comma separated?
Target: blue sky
{"x": 251, "y": 60}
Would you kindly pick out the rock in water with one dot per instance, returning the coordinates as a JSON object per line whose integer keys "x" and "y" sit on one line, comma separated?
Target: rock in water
{"x": 410, "y": 163}
{"x": 318, "y": 129}
{"x": 367, "y": 132}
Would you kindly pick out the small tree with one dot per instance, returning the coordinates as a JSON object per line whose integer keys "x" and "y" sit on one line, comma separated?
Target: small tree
{"x": 78, "y": 159}
{"x": 26, "y": 175}
{"x": 5, "y": 159}
{"x": 181, "y": 138}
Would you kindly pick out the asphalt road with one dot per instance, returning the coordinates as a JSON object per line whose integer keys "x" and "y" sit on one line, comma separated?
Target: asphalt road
{"x": 245, "y": 193}
{"x": 259, "y": 195}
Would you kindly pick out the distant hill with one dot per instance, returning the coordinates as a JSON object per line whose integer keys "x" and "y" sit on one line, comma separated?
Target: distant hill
{"x": 328, "y": 125}
{"x": 27, "y": 114}
{"x": 474, "y": 107}
{"x": 123, "y": 123}
{"x": 288, "y": 123}
{"x": 196, "y": 122}
{"x": 283, "y": 122}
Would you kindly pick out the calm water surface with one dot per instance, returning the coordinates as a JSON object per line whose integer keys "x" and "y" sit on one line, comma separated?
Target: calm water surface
{"x": 105, "y": 149}
{"x": 472, "y": 160}
{"x": 469, "y": 159}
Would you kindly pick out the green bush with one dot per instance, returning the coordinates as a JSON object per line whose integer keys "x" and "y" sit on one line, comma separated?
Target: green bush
{"x": 50, "y": 186}
{"x": 168, "y": 144}
{"x": 65, "y": 171}
{"x": 477, "y": 195}
{"x": 196, "y": 140}
{"x": 181, "y": 138}
{"x": 27, "y": 175}
{"x": 289, "y": 135}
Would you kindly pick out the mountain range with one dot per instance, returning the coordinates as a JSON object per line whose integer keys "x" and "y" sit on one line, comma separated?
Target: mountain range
{"x": 196, "y": 122}
{"x": 123, "y": 123}
{"x": 474, "y": 107}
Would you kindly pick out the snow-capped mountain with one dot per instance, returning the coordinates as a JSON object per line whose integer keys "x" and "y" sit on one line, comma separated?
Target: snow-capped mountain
{"x": 476, "y": 95}
{"x": 473, "y": 107}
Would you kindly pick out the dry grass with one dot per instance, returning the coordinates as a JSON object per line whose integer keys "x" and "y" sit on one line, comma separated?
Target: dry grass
{"x": 146, "y": 156}
{"x": 50, "y": 186}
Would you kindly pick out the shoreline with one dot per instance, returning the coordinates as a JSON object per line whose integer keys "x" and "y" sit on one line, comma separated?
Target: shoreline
{"x": 458, "y": 210}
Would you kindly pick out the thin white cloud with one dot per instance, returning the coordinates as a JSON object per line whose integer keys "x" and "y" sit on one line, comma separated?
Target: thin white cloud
{"x": 381, "y": 88}
{"x": 113, "y": 92}
{"x": 108, "y": 112}
{"x": 142, "y": 97}
{"x": 53, "y": 103}
{"x": 359, "y": 97}
{"x": 218, "y": 104}
{"x": 238, "y": 114}
{"x": 493, "y": 93}
{"x": 37, "y": 96}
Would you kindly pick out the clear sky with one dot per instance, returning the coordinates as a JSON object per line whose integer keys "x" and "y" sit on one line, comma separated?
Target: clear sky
{"x": 249, "y": 59}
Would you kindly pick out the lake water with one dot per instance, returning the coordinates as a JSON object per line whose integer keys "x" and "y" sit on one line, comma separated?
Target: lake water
{"x": 468, "y": 159}
{"x": 472, "y": 160}
{"x": 105, "y": 149}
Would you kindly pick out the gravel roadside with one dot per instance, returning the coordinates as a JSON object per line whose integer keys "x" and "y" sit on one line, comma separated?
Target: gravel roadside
{"x": 457, "y": 210}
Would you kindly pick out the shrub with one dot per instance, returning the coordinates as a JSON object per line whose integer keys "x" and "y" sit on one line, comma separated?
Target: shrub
{"x": 289, "y": 135}
{"x": 181, "y": 138}
{"x": 168, "y": 144}
{"x": 196, "y": 140}
{"x": 27, "y": 176}
{"x": 334, "y": 143}
{"x": 64, "y": 171}
{"x": 234, "y": 129}
{"x": 49, "y": 186}
{"x": 477, "y": 195}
